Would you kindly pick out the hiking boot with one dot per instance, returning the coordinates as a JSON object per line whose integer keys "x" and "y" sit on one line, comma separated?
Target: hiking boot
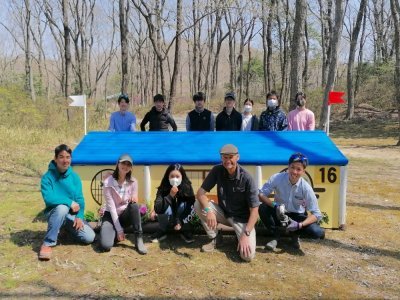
{"x": 209, "y": 247}
{"x": 45, "y": 252}
{"x": 296, "y": 242}
{"x": 158, "y": 236}
{"x": 271, "y": 245}
{"x": 187, "y": 236}
{"x": 140, "y": 247}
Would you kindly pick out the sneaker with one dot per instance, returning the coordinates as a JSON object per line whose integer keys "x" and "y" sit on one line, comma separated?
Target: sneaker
{"x": 158, "y": 236}
{"x": 271, "y": 245}
{"x": 296, "y": 242}
{"x": 45, "y": 252}
{"x": 187, "y": 236}
{"x": 209, "y": 247}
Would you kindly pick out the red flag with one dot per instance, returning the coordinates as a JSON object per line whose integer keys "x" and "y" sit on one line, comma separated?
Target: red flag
{"x": 335, "y": 98}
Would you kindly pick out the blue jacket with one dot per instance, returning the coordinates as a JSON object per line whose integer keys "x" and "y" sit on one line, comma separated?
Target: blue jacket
{"x": 273, "y": 120}
{"x": 60, "y": 188}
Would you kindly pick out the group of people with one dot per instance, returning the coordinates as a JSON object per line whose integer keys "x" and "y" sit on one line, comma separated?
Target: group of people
{"x": 229, "y": 119}
{"x": 293, "y": 210}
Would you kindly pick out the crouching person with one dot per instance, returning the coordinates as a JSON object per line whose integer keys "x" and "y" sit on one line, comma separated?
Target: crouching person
{"x": 61, "y": 189}
{"x": 237, "y": 203}
{"x": 121, "y": 211}
{"x": 294, "y": 198}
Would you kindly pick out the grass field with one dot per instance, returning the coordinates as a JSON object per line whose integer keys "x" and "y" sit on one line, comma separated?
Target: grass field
{"x": 361, "y": 262}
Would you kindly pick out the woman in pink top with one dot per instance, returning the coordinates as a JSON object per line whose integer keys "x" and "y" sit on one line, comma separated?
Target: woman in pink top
{"x": 301, "y": 118}
{"x": 121, "y": 195}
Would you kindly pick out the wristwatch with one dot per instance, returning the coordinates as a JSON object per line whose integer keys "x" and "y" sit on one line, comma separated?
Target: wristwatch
{"x": 246, "y": 232}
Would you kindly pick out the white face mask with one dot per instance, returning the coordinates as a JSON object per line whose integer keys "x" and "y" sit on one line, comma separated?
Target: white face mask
{"x": 174, "y": 181}
{"x": 248, "y": 108}
{"x": 272, "y": 103}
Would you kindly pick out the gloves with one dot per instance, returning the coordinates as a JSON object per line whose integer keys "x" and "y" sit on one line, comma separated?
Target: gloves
{"x": 293, "y": 225}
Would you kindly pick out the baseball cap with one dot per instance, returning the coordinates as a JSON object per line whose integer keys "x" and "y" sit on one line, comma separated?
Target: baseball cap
{"x": 125, "y": 157}
{"x": 230, "y": 95}
{"x": 229, "y": 149}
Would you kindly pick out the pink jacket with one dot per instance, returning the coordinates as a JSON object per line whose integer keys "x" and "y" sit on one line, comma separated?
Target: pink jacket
{"x": 114, "y": 203}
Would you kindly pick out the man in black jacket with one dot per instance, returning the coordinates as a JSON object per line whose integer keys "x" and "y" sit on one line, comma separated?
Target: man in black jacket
{"x": 158, "y": 117}
{"x": 229, "y": 119}
{"x": 200, "y": 118}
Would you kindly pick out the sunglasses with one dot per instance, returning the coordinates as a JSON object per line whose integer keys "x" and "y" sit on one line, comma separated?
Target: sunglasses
{"x": 298, "y": 157}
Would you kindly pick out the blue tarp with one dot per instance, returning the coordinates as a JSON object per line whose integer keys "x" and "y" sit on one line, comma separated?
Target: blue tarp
{"x": 200, "y": 148}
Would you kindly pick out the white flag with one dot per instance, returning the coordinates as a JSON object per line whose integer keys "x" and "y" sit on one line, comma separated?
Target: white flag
{"x": 78, "y": 100}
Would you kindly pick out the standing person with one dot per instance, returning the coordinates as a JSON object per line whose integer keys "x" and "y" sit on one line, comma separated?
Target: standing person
{"x": 61, "y": 190}
{"x": 249, "y": 121}
{"x": 301, "y": 118}
{"x": 229, "y": 119}
{"x": 121, "y": 195}
{"x": 122, "y": 120}
{"x": 174, "y": 204}
{"x": 298, "y": 197}
{"x": 158, "y": 117}
{"x": 200, "y": 118}
{"x": 237, "y": 203}
{"x": 273, "y": 118}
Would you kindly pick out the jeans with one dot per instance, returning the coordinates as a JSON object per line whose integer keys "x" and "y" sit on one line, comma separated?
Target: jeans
{"x": 168, "y": 217}
{"x": 60, "y": 217}
{"x": 221, "y": 218}
{"x": 130, "y": 216}
{"x": 270, "y": 220}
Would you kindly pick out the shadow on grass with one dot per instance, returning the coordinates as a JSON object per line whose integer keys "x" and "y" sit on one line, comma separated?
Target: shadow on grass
{"x": 28, "y": 237}
{"x": 373, "y": 206}
{"x": 362, "y": 249}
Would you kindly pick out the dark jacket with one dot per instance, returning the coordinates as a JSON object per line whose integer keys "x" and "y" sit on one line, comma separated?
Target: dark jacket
{"x": 159, "y": 120}
{"x": 273, "y": 120}
{"x": 254, "y": 123}
{"x": 225, "y": 122}
{"x": 200, "y": 121}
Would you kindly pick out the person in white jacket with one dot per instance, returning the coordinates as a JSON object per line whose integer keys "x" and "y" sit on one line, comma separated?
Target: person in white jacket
{"x": 121, "y": 210}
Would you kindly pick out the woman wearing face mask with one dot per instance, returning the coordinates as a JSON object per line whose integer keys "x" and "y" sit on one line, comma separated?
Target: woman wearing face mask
{"x": 121, "y": 210}
{"x": 301, "y": 118}
{"x": 249, "y": 121}
{"x": 273, "y": 118}
{"x": 174, "y": 204}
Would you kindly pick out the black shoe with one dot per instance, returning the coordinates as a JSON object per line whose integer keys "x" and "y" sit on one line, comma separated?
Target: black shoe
{"x": 296, "y": 242}
{"x": 187, "y": 236}
{"x": 158, "y": 236}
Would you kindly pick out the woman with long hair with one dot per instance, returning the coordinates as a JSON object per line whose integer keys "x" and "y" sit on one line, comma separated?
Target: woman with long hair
{"x": 174, "y": 204}
{"x": 121, "y": 210}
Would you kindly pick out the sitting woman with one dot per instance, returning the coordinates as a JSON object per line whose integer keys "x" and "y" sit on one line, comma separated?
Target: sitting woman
{"x": 174, "y": 204}
{"x": 121, "y": 210}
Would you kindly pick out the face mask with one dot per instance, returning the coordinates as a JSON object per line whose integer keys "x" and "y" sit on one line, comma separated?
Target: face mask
{"x": 248, "y": 108}
{"x": 301, "y": 102}
{"x": 175, "y": 181}
{"x": 272, "y": 103}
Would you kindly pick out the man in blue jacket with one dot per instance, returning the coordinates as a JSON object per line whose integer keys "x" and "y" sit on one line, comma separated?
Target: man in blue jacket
{"x": 61, "y": 190}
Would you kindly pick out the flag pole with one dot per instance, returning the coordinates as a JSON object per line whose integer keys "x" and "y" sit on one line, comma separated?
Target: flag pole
{"x": 329, "y": 119}
{"x": 84, "y": 114}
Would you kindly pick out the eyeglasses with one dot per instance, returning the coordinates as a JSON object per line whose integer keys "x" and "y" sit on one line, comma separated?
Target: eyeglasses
{"x": 298, "y": 157}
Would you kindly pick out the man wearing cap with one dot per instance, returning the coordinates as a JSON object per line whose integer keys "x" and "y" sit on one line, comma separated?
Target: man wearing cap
{"x": 122, "y": 120}
{"x": 297, "y": 197}
{"x": 200, "y": 118}
{"x": 237, "y": 203}
{"x": 229, "y": 119}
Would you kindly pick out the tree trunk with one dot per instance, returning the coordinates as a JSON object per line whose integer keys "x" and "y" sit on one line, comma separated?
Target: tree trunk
{"x": 29, "y": 85}
{"x": 123, "y": 25}
{"x": 177, "y": 63}
{"x": 265, "y": 45}
{"x": 333, "y": 62}
{"x": 395, "y": 8}
{"x": 352, "y": 54}
{"x": 295, "y": 62}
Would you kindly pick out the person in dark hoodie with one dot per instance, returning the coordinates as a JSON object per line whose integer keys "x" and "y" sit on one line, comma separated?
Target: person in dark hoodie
{"x": 158, "y": 117}
{"x": 61, "y": 190}
{"x": 273, "y": 118}
{"x": 229, "y": 119}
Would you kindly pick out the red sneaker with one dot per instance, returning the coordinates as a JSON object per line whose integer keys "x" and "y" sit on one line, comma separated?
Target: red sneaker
{"x": 45, "y": 252}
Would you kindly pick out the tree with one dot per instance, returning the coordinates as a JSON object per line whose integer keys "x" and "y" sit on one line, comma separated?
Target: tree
{"x": 123, "y": 29}
{"x": 337, "y": 31}
{"x": 395, "y": 9}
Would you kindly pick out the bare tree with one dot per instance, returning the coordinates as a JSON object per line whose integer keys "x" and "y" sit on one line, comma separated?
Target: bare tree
{"x": 395, "y": 9}
{"x": 337, "y": 31}
{"x": 123, "y": 29}
{"x": 350, "y": 64}
{"x": 67, "y": 49}
{"x": 298, "y": 36}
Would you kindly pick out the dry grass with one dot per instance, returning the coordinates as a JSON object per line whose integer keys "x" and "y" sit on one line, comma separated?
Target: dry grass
{"x": 361, "y": 262}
